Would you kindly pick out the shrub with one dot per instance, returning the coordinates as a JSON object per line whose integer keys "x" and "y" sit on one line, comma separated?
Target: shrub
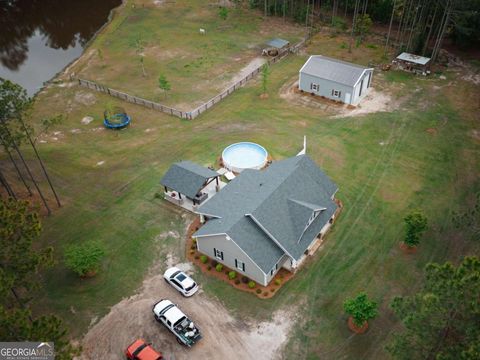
{"x": 223, "y": 13}
{"x": 278, "y": 282}
{"x": 209, "y": 268}
{"x": 158, "y": 195}
{"x": 214, "y": 263}
{"x": 415, "y": 225}
{"x": 251, "y": 284}
{"x": 219, "y": 267}
{"x": 194, "y": 241}
{"x": 259, "y": 291}
{"x": 204, "y": 259}
{"x": 244, "y": 279}
{"x": 272, "y": 290}
{"x": 192, "y": 252}
{"x": 232, "y": 275}
{"x": 84, "y": 258}
{"x": 197, "y": 257}
{"x": 237, "y": 281}
{"x": 360, "y": 309}
{"x": 265, "y": 293}
{"x": 193, "y": 247}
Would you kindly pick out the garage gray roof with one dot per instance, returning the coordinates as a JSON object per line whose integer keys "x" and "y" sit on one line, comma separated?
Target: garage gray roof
{"x": 187, "y": 178}
{"x": 277, "y": 203}
{"x": 339, "y": 71}
{"x": 278, "y": 43}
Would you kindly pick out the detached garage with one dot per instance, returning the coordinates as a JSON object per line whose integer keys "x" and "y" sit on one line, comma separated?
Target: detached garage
{"x": 335, "y": 79}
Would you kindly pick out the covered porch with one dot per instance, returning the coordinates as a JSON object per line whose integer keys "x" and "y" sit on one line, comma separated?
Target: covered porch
{"x": 189, "y": 185}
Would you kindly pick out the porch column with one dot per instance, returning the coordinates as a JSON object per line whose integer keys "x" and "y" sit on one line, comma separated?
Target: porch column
{"x": 217, "y": 187}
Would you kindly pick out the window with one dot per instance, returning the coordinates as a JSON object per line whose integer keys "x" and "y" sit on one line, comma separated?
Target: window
{"x": 218, "y": 254}
{"x": 315, "y": 87}
{"x": 240, "y": 265}
{"x": 336, "y": 93}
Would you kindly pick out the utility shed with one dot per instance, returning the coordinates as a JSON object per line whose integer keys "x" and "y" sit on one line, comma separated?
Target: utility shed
{"x": 278, "y": 43}
{"x": 189, "y": 179}
{"x": 413, "y": 63}
{"x": 335, "y": 79}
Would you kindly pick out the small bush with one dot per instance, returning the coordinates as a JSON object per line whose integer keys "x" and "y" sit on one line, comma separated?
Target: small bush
{"x": 245, "y": 279}
{"x": 158, "y": 195}
{"x": 197, "y": 257}
{"x": 204, "y": 259}
{"x": 371, "y": 46}
{"x": 214, "y": 263}
{"x": 194, "y": 241}
{"x": 209, "y": 268}
{"x": 192, "y": 252}
{"x": 84, "y": 258}
{"x": 219, "y": 267}
{"x": 343, "y": 45}
{"x": 193, "y": 247}
{"x": 265, "y": 293}
{"x": 278, "y": 282}
{"x": 259, "y": 291}
{"x": 237, "y": 281}
{"x": 232, "y": 275}
{"x": 251, "y": 284}
{"x": 272, "y": 290}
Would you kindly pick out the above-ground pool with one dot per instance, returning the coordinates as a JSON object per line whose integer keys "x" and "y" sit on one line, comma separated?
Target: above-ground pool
{"x": 244, "y": 155}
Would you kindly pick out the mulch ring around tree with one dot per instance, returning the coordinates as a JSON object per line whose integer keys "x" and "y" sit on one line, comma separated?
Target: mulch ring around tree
{"x": 408, "y": 249}
{"x": 240, "y": 282}
{"x": 357, "y": 329}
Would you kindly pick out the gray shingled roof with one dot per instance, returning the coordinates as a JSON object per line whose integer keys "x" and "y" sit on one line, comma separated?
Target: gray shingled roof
{"x": 278, "y": 43}
{"x": 339, "y": 71}
{"x": 281, "y": 198}
{"x": 187, "y": 178}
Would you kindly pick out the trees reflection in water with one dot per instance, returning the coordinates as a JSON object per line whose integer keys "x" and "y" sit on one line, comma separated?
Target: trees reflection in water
{"x": 62, "y": 23}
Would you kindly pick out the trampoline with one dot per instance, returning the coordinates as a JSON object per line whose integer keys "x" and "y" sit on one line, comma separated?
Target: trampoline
{"x": 116, "y": 119}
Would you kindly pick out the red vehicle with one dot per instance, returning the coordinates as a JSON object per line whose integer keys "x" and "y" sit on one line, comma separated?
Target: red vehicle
{"x": 141, "y": 350}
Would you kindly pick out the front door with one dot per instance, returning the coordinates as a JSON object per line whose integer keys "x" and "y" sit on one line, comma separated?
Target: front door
{"x": 348, "y": 97}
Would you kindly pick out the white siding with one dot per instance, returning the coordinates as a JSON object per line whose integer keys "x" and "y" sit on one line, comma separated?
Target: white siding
{"x": 325, "y": 87}
{"x": 365, "y": 77}
{"x": 231, "y": 251}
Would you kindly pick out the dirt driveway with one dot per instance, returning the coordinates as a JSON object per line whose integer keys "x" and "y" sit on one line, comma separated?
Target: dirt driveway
{"x": 223, "y": 336}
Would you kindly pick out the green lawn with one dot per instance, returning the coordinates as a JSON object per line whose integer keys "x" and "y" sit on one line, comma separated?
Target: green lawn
{"x": 197, "y": 66}
{"x": 384, "y": 164}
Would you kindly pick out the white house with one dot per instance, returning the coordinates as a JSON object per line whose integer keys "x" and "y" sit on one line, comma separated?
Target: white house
{"x": 335, "y": 79}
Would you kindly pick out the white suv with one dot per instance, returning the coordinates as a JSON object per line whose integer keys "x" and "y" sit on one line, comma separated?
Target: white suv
{"x": 180, "y": 281}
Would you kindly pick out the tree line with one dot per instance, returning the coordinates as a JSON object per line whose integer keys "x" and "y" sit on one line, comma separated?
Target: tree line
{"x": 417, "y": 26}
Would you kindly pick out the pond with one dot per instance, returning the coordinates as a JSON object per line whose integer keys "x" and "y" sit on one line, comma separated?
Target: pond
{"x": 40, "y": 37}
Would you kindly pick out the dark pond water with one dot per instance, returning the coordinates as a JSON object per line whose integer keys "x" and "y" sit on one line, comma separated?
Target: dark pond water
{"x": 38, "y": 38}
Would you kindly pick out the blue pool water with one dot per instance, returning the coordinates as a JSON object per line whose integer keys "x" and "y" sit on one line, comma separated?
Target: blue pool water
{"x": 244, "y": 155}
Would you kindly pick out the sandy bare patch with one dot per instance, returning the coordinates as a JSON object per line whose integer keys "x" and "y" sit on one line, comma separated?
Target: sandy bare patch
{"x": 85, "y": 98}
{"x": 223, "y": 336}
{"x": 290, "y": 92}
{"x": 87, "y": 120}
{"x": 251, "y": 66}
{"x": 375, "y": 101}
{"x": 100, "y": 163}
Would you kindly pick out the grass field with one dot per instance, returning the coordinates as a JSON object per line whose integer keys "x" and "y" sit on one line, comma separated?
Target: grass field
{"x": 197, "y": 66}
{"x": 384, "y": 164}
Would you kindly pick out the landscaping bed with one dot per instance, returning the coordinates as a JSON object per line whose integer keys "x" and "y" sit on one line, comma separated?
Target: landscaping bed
{"x": 221, "y": 272}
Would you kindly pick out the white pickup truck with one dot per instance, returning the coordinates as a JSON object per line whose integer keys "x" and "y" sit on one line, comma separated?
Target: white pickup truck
{"x": 177, "y": 322}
